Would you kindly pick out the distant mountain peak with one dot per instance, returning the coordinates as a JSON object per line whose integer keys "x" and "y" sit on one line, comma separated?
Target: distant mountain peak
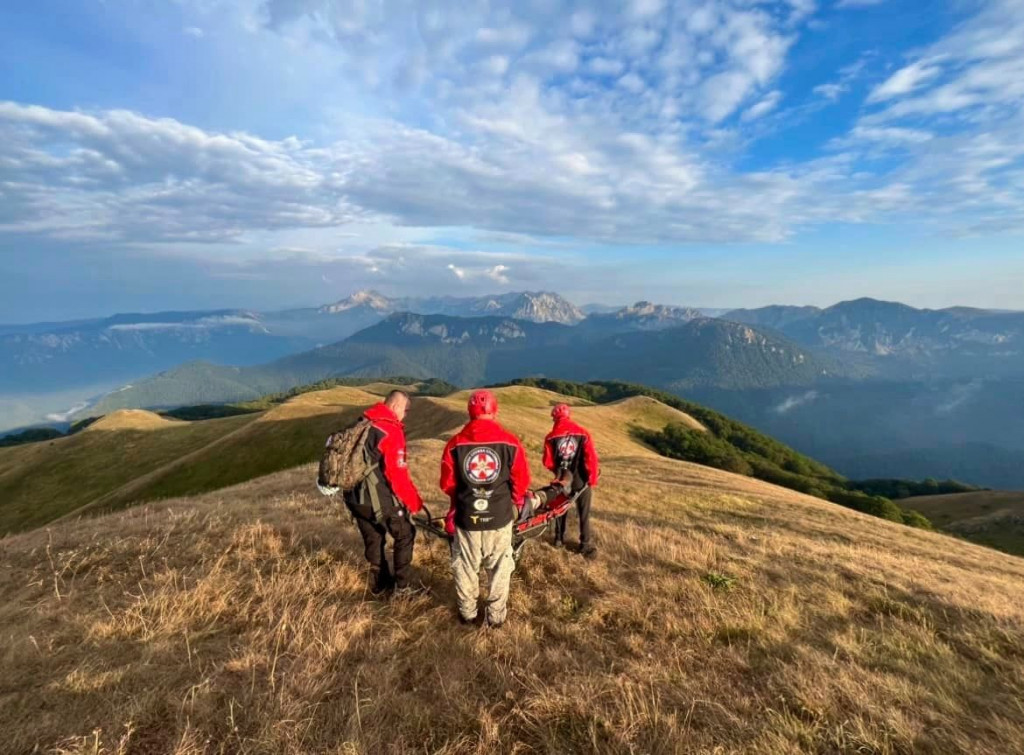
{"x": 536, "y": 306}
{"x": 544, "y": 306}
{"x": 646, "y": 315}
{"x": 868, "y": 304}
{"x": 650, "y": 309}
{"x": 367, "y": 298}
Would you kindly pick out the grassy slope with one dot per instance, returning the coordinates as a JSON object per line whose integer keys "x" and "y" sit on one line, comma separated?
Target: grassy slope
{"x": 160, "y": 457}
{"x": 42, "y": 481}
{"x": 988, "y": 517}
{"x": 238, "y": 622}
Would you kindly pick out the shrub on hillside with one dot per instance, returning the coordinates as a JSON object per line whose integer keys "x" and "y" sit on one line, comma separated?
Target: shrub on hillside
{"x": 916, "y": 519}
{"x": 207, "y": 411}
{"x": 680, "y": 442}
{"x": 867, "y": 504}
{"x": 898, "y": 489}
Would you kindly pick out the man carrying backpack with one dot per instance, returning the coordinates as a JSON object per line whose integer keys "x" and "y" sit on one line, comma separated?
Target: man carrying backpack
{"x": 569, "y": 447}
{"x": 485, "y": 475}
{"x": 382, "y": 501}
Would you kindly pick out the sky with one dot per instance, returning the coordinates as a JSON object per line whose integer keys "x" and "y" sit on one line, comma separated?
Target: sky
{"x": 190, "y": 154}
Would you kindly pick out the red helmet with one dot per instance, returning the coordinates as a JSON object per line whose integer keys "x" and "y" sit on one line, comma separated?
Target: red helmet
{"x": 560, "y": 411}
{"x": 481, "y": 403}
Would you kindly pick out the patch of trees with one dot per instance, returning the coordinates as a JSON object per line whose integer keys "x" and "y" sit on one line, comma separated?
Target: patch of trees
{"x": 899, "y": 489}
{"x": 32, "y": 435}
{"x": 207, "y": 411}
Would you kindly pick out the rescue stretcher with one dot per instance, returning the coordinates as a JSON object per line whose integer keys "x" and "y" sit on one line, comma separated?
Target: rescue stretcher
{"x": 530, "y": 525}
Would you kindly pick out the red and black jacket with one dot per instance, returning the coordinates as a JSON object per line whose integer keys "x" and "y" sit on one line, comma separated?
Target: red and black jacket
{"x": 485, "y": 474}
{"x": 569, "y": 446}
{"x": 385, "y": 446}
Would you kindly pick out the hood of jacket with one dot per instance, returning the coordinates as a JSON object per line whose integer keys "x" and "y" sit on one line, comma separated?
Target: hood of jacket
{"x": 381, "y": 413}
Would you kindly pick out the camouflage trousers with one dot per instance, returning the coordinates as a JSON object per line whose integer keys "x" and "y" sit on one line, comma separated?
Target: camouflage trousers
{"x": 491, "y": 549}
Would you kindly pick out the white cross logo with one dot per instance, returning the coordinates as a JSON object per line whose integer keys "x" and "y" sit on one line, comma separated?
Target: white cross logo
{"x": 482, "y": 466}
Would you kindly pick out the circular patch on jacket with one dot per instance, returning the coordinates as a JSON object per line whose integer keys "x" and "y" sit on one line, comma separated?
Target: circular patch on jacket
{"x": 567, "y": 448}
{"x": 482, "y": 466}
{"x": 481, "y": 504}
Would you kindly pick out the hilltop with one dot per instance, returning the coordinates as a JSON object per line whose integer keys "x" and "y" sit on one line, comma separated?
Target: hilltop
{"x": 724, "y": 614}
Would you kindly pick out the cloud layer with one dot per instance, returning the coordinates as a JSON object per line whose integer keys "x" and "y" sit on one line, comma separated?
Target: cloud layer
{"x": 624, "y": 124}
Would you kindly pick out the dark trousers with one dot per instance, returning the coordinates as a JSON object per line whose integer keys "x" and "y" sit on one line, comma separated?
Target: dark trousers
{"x": 583, "y": 510}
{"x": 396, "y": 523}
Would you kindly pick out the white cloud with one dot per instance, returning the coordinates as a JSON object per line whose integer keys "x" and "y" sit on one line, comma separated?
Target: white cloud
{"x": 496, "y": 65}
{"x": 118, "y": 175}
{"x": 632, "y": 83}
{"x": 605, "y": 66}
{"x": 891, "y": 135}
{"x": 646, "y": 8}
{"x": 193, "y": 31}
{"x": 723, "y": 93}
{"x": 794, "y": 402}
{"x": 830, "y": 92}
{"x": 498, "y": 274}
{"x": 765, "y": 106}
{"x": 609, "y": 124}
{"x": 904, "y": 81}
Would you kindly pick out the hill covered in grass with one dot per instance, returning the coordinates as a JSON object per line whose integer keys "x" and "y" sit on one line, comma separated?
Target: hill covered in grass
{"x": 724, "y": 614}
{"x": 990, "y": 517}
{"x": 275, "y": 432}
{"x": 132, "y": 455}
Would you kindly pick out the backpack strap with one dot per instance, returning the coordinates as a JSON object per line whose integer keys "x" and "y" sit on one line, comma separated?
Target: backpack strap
{"x": 369, "y": 489}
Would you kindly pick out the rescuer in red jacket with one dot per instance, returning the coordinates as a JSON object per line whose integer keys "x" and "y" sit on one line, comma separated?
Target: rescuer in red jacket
{"x": 569, "y": 447}
{"x": 382, "y": 503}
{"x": 485, "y": 475}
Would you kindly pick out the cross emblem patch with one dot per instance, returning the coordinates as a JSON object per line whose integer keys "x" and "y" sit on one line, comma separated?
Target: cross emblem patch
{"x": 482, "y": 466}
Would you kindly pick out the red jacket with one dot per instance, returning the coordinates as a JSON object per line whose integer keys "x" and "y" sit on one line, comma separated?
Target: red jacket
{"x": 386, "y": 446}
{"x": 485, "y": 474}
{"x": 569, "y": 446}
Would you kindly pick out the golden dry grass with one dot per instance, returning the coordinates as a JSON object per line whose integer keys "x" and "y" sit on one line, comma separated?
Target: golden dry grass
{"x": 131, "y": 419}
{"x": 723, "y": 615}
{"x": 40, "y": 482}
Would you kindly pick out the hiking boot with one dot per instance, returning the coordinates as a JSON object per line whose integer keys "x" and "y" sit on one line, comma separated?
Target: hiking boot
{"x": 379, "y": 581}
{"x": 467, "y": 622}
{"x": 495, "y": 624}
{"x": 558, "y": 543}
{"x": 588, "y": 551}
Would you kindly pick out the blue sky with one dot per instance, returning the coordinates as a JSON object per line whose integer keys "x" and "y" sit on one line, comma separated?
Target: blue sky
{"x": 272, "y": 153}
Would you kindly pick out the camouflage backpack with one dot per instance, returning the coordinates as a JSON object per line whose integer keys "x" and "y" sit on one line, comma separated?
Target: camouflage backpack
{"x": 344, "y": 465}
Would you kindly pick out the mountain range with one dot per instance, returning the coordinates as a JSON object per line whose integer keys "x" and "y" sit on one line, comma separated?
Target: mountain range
{"x": 901, "y": 341}
{"x": 859, "y": 385}
{"x": 477, "y": 351}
